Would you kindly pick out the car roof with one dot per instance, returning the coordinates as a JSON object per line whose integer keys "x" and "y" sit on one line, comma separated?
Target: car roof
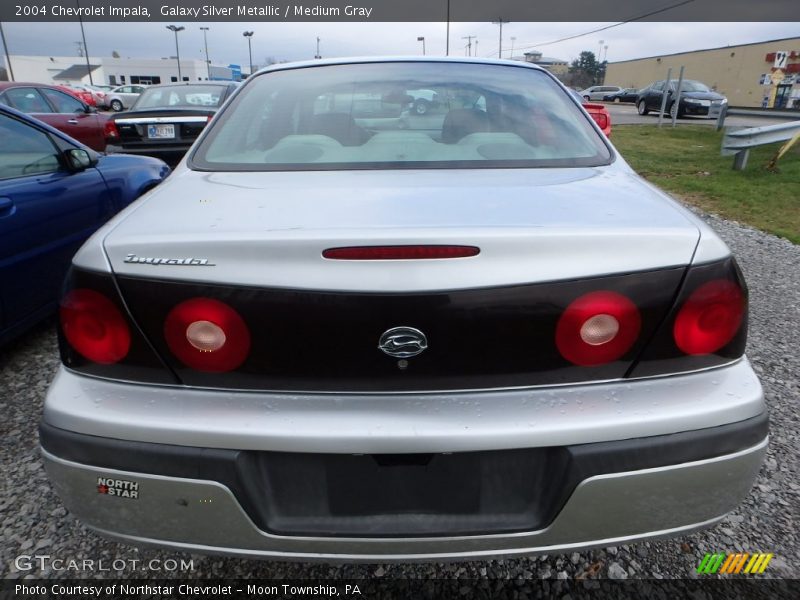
{"x": 10, "y": 84}
{"x": 387, "y": 59}
{"x": 185, "y": 83}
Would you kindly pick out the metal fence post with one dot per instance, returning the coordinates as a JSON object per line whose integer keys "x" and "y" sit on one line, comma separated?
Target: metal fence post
{"x": 721, "y": 118}
{"x": 740, "y": 160}
{"x": 677, "y": 101}
{"x": 664, "y": 96}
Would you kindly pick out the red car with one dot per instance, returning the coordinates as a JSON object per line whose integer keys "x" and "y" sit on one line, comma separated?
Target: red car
{"x": 598, "y": 112}
{"x": 62, "y": 110}
{"x": 84, "y": 95}
{"x": 600, "y": 115}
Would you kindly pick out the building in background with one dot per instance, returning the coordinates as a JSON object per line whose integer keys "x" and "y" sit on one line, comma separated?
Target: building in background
{"x": 557, "y": 66}
{"x": 116, "y": 71}
{"x": 747, "y": 74}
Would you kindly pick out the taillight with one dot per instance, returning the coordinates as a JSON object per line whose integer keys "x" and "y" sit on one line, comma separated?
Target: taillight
{"x": 207, "y": 335}
{"x": 94, "y": 326}
{"x": 597, "y": 328}
{"x": 601, "y": 119}
{"x": 110, "y": 130}
{"x": 710, "y": 317}
{"x": 425, "y": 251}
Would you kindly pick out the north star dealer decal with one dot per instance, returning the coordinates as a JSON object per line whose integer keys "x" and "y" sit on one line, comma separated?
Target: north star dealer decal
{"x": 118, "y": 487}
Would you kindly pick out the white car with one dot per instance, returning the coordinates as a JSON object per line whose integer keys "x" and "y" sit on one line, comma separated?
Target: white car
{"x": 124, "y": 96}
{"x": 332, "y": 336}
{"x": 598, "y": 92}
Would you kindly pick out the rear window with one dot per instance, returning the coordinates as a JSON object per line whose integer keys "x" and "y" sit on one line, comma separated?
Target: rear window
{"x": 180, "y": 96}
{"x": 401, "y": 115}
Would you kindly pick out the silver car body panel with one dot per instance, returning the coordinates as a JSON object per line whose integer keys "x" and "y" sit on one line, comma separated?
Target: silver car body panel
{"x": 404, "y": 423}
{"x": 604, "y": 510}
{"x": 269, "y": 229}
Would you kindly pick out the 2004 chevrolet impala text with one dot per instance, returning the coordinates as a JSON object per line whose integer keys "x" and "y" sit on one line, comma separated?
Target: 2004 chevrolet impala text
{"x": 343, "y": 330}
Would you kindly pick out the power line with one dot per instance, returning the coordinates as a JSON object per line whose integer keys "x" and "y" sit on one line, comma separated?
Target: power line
{"x": 599, "y": 29}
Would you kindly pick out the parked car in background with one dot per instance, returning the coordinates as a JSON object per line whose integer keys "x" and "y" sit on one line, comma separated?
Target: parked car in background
{"x": 348, "y": 338}
{"x": 697, "y": 99}
{"x": 54, "y": 193}
{"x": 84, "y": 96}
{"x": 124, "y": 96}
{"x": 623, "y": 95}
{"x": 598, "y": 112}
{"x": 98, "y": 94}
{"x": 60, "y": 109}
{"x": 597, "y": 92}
{"x": 166, "y": 119}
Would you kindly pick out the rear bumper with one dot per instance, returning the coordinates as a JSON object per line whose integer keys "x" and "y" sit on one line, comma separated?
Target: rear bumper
{"x": 204, "y": 515}
{"x": 522, "y": 471}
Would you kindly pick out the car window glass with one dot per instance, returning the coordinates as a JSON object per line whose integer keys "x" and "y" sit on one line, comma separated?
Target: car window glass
{"x": 398, "y": 113}
{"x": 190, "y": 96}
{"x": 28, "y": 100}
{"x": 63, "y": 102}
{"x": 24, "y": 150}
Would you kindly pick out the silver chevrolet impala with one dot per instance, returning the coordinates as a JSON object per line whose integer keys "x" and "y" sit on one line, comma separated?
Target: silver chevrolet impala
{"x": 345, "y": 330}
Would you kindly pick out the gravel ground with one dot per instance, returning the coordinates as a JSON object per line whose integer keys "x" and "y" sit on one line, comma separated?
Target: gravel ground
{"x": 35, "y": 522}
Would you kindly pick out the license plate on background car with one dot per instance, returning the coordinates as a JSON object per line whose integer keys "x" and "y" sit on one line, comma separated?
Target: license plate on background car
{"x": 161, "y": 131}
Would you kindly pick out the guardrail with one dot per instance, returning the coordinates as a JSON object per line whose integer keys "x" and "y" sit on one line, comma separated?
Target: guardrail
{"x": 740, "y": 141}
{"x": 772, "y": 113}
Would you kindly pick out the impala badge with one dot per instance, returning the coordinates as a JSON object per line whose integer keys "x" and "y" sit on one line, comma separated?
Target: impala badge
{"x": 403, "y": 342}
{"x": 186, "y": 262}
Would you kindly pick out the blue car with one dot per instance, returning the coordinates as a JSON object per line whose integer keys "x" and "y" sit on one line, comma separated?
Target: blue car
{"x": 54, "y": 193}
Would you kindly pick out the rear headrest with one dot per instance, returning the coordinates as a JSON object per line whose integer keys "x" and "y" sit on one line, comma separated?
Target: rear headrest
{"x": 340, "y": 126}
{"x": 463, "y": 121}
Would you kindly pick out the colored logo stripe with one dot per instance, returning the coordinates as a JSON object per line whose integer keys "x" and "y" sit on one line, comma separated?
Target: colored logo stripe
{"x": 734, "y": 563}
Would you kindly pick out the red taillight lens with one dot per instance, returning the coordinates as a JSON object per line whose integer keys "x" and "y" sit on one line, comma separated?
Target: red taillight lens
{"x": 597, "y": 328}
{"x": 94, "y": 326}
{"x": 601, "y": 119}
{"x": 111, "y": 131}
{"x": 710, "y": 317}
{"x": 207, "y": 335}
{"x": 400, "y": 252}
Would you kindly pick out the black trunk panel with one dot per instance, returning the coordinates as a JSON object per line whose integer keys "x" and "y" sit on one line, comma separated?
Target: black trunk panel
{"x": 328, "y": 341}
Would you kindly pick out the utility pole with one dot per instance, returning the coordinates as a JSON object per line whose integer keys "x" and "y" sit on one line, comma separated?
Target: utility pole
{"x": 85, "y": 47}
{"x": 249, "y": 35}
{"x": 500, "y": 46}
{"x": 175, "y": 30}
{"x": 208, "y": 60}
{"x": 513, "y": 39}
{"x": 318, "y": 55}
{"x": 469, "y": 39}
{"x": 8, "y": 56}
{"x": 422, "y": 39}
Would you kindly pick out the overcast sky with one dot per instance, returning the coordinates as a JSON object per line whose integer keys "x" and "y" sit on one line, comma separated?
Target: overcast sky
{"x": 297, "y": 41}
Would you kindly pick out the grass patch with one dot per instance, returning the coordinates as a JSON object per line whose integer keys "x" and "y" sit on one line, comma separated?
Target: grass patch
{"x": 686, "y": 161}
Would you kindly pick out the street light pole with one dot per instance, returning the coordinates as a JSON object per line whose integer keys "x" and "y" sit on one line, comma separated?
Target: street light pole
{"x": 175, "y": 30}
{"x": 513, "y": 39}
{"x": 422, "y": 39}
{"x": 318, "y": 55}
{"x": 249, "y": 35}
{"x": 208, "y": 60}
{"x": 8, "y": 56}
{"x": 447, "y": 48}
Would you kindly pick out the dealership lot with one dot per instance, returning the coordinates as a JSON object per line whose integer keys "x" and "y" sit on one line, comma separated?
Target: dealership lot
{"x": 35, "y": 523}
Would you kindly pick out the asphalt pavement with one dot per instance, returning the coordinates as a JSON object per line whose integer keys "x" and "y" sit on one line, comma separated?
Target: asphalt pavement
{"x": 626, "y": 114}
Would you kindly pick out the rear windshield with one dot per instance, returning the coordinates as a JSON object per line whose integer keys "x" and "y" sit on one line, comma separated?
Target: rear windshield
{"x": 180, "y": 96}
{"x": 401, "y": 115}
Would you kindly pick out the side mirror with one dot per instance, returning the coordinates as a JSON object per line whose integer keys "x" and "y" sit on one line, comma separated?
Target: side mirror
{"x": 79, "y": 160}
